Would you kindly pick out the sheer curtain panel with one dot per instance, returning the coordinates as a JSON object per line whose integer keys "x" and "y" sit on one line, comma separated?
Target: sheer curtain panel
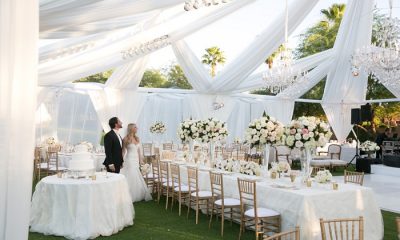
{"x": 19, "y": 30}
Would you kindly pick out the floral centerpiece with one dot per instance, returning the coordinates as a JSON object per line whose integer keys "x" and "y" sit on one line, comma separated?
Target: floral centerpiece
{"x": 265, "y": 130}
{"x": 280, "y": 167}
{"x": 50, "y": 141}
{"x": 323, "y": 176}
{"x": 308, "y": 132}
{"x": 158, "y": 128}
{"x": 239, "y": 166}
{"x": 211, "y": 130}
{"x": 145, "y": 169}
{"x": 188, "y": 130}
{"x": 369, "y": 146}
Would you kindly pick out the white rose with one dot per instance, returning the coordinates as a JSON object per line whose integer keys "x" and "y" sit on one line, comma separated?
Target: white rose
{"x": 297, "y": 136}
{"x": 299, "y": 144}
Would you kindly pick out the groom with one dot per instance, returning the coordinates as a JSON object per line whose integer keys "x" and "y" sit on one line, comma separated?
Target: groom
{"x": 113, "y": 146}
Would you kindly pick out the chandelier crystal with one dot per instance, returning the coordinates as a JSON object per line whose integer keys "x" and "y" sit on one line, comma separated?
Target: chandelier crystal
{"x": 146, "y": 47}
{"x": 281, "y": 75}
{"x": 383, "y": 59}
{"x": 195, "y": 4}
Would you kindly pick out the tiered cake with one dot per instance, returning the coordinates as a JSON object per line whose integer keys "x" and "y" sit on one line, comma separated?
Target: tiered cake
{"x": 81, "y": 163}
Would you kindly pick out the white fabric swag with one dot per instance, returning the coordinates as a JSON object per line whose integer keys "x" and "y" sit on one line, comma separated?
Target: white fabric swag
{"x": 59, "y": 14}
{"x": 107, "y": 54}
{"x": 18, "y": 83}
{"x": 253, "y": 56}
{"x": 341, "y": 86}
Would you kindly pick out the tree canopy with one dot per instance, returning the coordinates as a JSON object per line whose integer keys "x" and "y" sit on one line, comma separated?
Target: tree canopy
{"x": 213, "y": 57}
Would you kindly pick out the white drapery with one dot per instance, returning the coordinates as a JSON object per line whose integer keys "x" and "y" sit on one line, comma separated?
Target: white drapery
{"x": 18, "y": 82}
{"x": 107, "y": 53}
{"x": 124, "y": 104}
{"x": 341, "y": 86}
{"x": 55, "y": 15}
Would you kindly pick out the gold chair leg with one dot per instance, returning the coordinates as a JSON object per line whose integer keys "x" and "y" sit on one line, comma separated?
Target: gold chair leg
{"x": 222, "y": 221}
{"x": 197, "y": 211}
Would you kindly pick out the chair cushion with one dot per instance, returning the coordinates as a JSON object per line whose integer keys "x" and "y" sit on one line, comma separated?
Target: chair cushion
{"x": 261, "y": 212}
{"x": 59, "y": 168}
{"x": 202, "y": 194}
{"x": 184, "y": 189}
{"x": 169, "y": 184}
{"x": 337, "y": 162}
{"x": 323, "y": 163}
{"x": 228, "y": 202}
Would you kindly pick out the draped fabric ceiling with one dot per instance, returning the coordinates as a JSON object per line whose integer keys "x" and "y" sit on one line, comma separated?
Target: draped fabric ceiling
{"x": 91, "y": 42}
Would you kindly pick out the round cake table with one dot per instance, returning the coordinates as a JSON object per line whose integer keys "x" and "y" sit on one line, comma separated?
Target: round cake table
{"x": 81, "y": 208}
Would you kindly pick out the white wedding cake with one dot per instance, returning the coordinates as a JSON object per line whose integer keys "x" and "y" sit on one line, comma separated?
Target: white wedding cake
{"x": 81, "y": 163}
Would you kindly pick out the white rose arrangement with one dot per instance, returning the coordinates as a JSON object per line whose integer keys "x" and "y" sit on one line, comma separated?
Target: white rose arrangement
{"x": 211, "y": 129}
{"x": 145, "y": 169}
{"x": 369, "y": 146}
{"x": 309, "y": 132}
{"x": 50, "y": 141}
{"x": 323, "y": 176}
{"x": 237, "y": 140}
{"x": 239, "y": 166}
{"x": 188, "y": 130}
{"x": 264, "y": 130}
{"x": 158, "y": 128}
{"x": 280, "y": 167}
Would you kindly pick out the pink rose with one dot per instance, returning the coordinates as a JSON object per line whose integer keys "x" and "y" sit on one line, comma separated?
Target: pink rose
{"x": 292, "y": 131}
{"x": 304, "y": 131}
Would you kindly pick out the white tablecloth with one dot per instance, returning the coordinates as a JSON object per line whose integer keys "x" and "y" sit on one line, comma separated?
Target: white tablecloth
{"x": 305, "y": 206}
{"x": 64, "y": 159}
{"x": 81, "y": 208}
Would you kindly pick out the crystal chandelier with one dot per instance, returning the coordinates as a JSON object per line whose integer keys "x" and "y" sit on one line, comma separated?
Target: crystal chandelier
{"x": 195, "y": 4}
{"x": 382, "y": 59}
{"x": 146, "y": 47}
{"x": 281, "y": 74}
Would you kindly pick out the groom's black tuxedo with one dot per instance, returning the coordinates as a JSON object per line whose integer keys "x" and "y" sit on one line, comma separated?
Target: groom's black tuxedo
{"x": 113, "y": 151}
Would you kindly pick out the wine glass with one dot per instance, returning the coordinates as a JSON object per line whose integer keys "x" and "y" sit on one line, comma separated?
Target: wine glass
{"x": 104, "y": 171}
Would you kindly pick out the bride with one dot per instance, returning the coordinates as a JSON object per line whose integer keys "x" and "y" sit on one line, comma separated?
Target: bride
{"x": 136, "y": 183}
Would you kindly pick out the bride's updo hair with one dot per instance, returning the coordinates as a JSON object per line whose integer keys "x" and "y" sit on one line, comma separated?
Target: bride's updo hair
{"x": 131, "y": 135}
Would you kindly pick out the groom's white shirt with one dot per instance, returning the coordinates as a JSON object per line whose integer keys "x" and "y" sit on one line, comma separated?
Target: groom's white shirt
{"x": 119, "y": 136}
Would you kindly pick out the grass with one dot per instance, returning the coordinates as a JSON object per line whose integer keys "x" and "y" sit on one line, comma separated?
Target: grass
{"x": 152, "y": 221}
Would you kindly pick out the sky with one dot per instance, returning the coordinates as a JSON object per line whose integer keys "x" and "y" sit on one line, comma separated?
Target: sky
{"x": 234, "y": 32}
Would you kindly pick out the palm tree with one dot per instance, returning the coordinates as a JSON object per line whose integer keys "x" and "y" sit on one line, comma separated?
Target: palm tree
{"x": 213, "y": 57}
{"x": 334, "y": 13}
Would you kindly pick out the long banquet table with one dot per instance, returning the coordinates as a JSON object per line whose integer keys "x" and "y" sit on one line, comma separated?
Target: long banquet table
{"x": 305, "y": 206}
{"x": 81, "y": 208}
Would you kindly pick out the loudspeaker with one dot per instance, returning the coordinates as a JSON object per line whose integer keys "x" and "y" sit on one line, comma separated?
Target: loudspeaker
{"x": 355, "y": 116}
{"x": 366, "y": 112}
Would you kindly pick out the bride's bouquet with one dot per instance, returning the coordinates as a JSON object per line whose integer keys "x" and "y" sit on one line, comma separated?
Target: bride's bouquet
{"x": 211, "y": 129}
{"x": 264, "y": 130}
{"x": 309, "y": 132}
{"x": 145, "y": 169}
{"x": 188, "y": 130}
{"x": 158, "y": 128}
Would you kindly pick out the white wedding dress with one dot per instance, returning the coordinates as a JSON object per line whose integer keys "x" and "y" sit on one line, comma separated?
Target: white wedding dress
{"x": 136, "y": 183}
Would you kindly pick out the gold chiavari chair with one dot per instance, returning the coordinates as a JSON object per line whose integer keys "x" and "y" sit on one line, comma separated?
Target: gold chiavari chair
{"x": 288, "y": 235}
{"x": 197, "y": 197}
{"x": 165, "y": 182}
{"x": 148, "y": 152}
{"x": 155, "y": 166}
{"x": 282, "y": 153}
{"x": 354, "y": 177}
{"x": 167, "y": 146}
{"x": 315, "y": 170}
{"x": 219, "y": 203}
{"x": 265, "y": 220}
{"x": 52, "y": 161}
{"x": 37, "y": 163}
{"x": 342, "y": 229}
{"x": 171, "y": 155}
{"x": 398, "y": 227}
{"x": 180, "y": 192}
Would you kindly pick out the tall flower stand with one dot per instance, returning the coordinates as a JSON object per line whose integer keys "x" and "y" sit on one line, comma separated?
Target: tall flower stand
{"x": 265, "y": 159}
